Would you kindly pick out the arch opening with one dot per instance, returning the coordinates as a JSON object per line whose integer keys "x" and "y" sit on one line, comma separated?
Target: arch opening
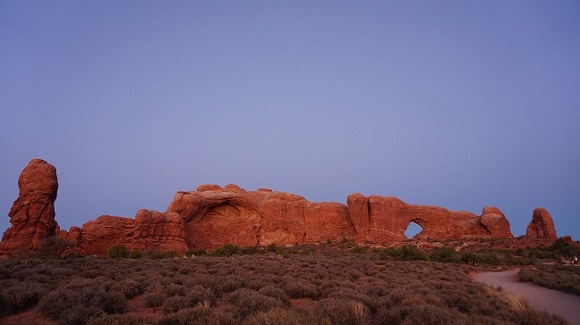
{"x": 413, "y": 229}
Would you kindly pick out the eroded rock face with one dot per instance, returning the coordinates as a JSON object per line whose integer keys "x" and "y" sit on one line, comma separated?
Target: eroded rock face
{"x": 541, "y": 226}
{"x": 32, "y": 214}
{"x": 213, "y": 216}
{"x": 385, "y": 219}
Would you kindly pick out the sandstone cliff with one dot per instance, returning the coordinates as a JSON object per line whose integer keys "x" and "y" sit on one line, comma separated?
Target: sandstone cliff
{"x": 212, "y": 216}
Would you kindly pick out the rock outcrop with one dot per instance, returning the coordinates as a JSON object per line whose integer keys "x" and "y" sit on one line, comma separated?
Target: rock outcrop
{"x": 212, "y": 216}
{"x": 385, "y": 219}
{"x": 541, "y": 226}
{"x": 215, "y": 216}
{"x": 32, "y": 214}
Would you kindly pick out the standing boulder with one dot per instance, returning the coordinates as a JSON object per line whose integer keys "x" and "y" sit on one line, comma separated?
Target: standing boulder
{"x": 542, "y": 225}
{"x": 32, "y": 214}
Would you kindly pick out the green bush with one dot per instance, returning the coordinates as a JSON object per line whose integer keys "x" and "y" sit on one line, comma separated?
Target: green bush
{"x": 250, "y": 250}
{"x": 118, "y": 251}
{"x": 471, "y": 259}
{"x": 135, "y": 254}
{"x": 225, "y": 250}
{"x": 157, "y": 255}
{"x": 444, "y": 254}
{"x": 404, "y": 253}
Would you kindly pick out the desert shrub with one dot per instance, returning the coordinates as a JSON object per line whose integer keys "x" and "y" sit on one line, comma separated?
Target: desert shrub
{"x": 444, "y": 254}
{"x": 193, "y": 252}
{"x": 250, "y": 250}
{"x": 135, "y": 254}
{"x": 286, "y": 317}
{"x": 343, "y": 311}
{"x": 471, "y": 259}
{"x": 74, "y": 306}
{"x": 354, "y": 295}
{"x": 19, "y": 296}
{"x": 200, "y": 296}
{"x": 124, "y": 319}
{"x": 154, "y": 299}
{"x": 272, "y": 248}
{"x": 275, "y": 292}
{"x": 301, "y": 289}
{"x": 404, "y": 253}
{"x": 225, "y": 250}
{"x": 173, "y": 304}
{"x": 358, "y": 249}
{"x": 129, "y": 288}
{"x": 491, "y": 259}
{"x": 564, "y": 248}
{"x": 558, "y": 277}
{"x": 228, "y": 284}
{"x": 118, "y": 251}
{"x": 174, "y": 289}
{"x": 189, "y": 316}
{"x": 420, "y": 314}
{"x": 249, "y": 302}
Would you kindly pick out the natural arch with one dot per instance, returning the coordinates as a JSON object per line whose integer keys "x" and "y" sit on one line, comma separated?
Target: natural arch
{"x": 412, "y": 229}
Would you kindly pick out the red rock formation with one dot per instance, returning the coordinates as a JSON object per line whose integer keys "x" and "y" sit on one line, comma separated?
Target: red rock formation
{"x": 158, "y": 231}
{"x": 217, "y": 216}
{"x": 212, "y": 216}
{"x": 32, "y": 214}
{"x": 541, "y": 226}
{"x": 384, "y": 219}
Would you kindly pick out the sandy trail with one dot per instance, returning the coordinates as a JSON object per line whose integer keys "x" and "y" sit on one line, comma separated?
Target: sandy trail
{"x": 553, "y": 301}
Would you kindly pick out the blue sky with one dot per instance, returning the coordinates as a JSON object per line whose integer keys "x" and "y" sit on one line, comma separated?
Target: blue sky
{"x": 459, "y": 104}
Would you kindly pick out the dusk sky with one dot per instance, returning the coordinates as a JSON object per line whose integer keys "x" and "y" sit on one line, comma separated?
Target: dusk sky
{"x": 459, "y": 104}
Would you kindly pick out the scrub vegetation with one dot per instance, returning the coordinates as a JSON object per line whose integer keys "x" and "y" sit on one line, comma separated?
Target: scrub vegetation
{"x": 303, "y": 284}
{"x": 564, "y": 278}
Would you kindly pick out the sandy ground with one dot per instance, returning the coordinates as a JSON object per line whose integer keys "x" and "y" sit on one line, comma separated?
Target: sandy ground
{"x": 553, "y": 301}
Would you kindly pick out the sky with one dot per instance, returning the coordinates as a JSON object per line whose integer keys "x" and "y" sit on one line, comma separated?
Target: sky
{"x": 459, "y": 104}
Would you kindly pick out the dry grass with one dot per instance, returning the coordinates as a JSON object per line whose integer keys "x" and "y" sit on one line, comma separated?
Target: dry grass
{"x": 340, "y": 288}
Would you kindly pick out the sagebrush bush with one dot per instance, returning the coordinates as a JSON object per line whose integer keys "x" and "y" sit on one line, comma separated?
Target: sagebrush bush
{"x": 154, "y": 299}
{"x": 275, "y": 292}
{"x": 343, "y": 311}
{"x": 286, "y": 317}
{"x": 20, "y": 295}
{"x": 297, "y": 288}
{"x": 250, "y": 301}
{"x": 420, "y": 314}
{"x": 124, "y": 319}
{"x": 200, "y": 296}
{"x": 71, "y": 306}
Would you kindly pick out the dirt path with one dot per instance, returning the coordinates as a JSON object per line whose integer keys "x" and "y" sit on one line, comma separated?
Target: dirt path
{"x": 553, "y": 301}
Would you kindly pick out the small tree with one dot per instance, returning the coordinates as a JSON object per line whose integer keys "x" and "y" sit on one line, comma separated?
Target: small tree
{"x": 118, "y": 251}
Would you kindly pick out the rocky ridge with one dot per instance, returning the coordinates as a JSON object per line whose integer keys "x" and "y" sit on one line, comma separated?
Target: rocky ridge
{"x": 212, "y": 216}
